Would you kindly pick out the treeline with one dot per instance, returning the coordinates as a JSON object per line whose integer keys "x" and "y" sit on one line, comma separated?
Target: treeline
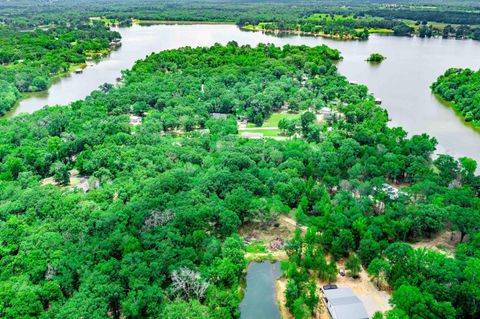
{"x": 458, "y": 32}
{"x": 357, "y": 26}
{"x": 30, "y": 59}
{"x": 341, "y": 26}
{"x": 31, "y": 13}
{"x": 445, "y": 15}
{"x": 290, "y": 15}
{"x": 461, "y": 87}
{"x": 156, "y": 235}
{"x": 424, "y": 29}
{"x": 461, "y": 24}
{"x": 173, "y": 10}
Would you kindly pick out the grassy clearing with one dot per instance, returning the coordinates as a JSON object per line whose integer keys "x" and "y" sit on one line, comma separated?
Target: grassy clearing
{"x": 105, "y": 20}
{"x": 256, "y": 247}
{"x": 72, "y": 68}
{"x": 377, "y": 30}
{"x": 250, "y": 27}
{"x": 267, "y": 133}
{"x": 273, "y": 120}
{"x": 260, "y": 257}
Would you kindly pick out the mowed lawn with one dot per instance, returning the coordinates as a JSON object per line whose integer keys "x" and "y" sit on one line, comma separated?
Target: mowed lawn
{"x": 267, "y": 133}
{"x": 270, "y": 126}
{"x": 273, "y": 120}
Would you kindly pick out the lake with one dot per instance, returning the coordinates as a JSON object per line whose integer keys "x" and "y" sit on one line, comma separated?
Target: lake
{"x": 260, "y": 298}
{"x": 402, "y": 81}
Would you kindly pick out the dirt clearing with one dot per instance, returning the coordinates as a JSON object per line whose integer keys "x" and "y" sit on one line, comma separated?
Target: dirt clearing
{"x": 373, "y": 299}
{"x": 444, "y": 243}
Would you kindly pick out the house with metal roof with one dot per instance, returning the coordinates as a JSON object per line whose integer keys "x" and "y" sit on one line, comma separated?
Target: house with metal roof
{"x": 342, "y": 303}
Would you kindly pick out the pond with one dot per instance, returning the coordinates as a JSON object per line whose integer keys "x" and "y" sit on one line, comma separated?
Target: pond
{"x": 402, "y": 81}
{"x": 260, "y": 299}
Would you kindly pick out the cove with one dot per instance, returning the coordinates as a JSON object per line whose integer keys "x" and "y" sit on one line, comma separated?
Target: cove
{"x": 259, "y": 299}
{"x": 402, "y": 81}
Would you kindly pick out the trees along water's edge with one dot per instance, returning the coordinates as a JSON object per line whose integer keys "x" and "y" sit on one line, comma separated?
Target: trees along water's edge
{"x": 461, "y": 88}
{"x": 31, "y": 59}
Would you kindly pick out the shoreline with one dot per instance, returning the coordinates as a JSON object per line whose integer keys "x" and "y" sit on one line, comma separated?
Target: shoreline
{"x": 173, "y": 22}
{"x": 303, "y": 33}
{"x": 451, "y": 105}
{"x": 104, "y": 53}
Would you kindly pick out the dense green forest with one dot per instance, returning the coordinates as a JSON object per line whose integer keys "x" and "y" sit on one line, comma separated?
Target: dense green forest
{"x": 31, "y": 59}
{"x": 461, "y": 87}
{"x": 456, "y": 12}
{"x": 104, "y": 218}
{"x": 355, "y": 23}
{"x": 335, "y": 26}
{"x": 156, "y": 234}
{"x": 350, "y": 18}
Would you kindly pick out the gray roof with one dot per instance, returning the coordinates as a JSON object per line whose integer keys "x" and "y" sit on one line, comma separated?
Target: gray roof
{"x": 345, "y": 304}
{"x": 219, "y": 115}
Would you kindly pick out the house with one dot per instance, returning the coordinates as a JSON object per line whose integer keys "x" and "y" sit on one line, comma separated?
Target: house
{"x": 325, "y": 113}
{"x": 115, "y": 43}
{"x": 285, "y": 106}
{"x": 135, "y": 120}
{"x": 392, "y": 191}
{"x": 342, "y": 303}
{"x": 251, "y": 135}
{"x": 304, "y": 79}
{"x": 219, "y": 115}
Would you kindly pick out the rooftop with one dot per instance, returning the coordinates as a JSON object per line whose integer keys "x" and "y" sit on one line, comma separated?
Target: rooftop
{"x": 345, "y": 304}
{"x": 219, "y": 115}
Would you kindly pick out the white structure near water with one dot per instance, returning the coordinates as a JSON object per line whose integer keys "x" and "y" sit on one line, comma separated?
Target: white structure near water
{"x": 342, "y": 303}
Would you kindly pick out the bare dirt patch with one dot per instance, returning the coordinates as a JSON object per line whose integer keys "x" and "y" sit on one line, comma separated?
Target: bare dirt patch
{"x": 284, "y": 228}
{"x": 290, "y": 222}
{"x": 281, "y": 286}
{"x": 373, "y": 299}
{"x": 445, "y": 243}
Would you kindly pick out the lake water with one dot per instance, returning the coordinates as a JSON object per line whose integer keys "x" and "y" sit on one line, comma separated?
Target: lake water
{"x": 259, "y": 299}
{"x": 402, "y": 81}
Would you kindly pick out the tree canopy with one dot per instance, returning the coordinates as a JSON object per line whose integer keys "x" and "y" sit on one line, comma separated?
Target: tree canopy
{"x": 156, "y": 234}
{"x": 461, "y": 87}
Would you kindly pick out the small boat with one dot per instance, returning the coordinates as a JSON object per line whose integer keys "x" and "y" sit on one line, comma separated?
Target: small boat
{"x": 378, "y": 101}
{"x": 79, "y": 71}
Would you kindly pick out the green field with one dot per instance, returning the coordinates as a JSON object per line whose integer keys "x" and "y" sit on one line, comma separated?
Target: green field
{"x": 273, "y": 120}
{"x": 377, "y": 30}
{"x": 267, "y": 133}
{"x": 256, "y": 247}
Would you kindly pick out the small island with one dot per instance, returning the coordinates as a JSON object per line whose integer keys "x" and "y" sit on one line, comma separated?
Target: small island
{"x": 376, "y": 58}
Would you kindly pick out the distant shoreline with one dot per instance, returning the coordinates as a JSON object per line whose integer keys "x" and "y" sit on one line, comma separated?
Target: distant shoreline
{"x": 144, "y": 22}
